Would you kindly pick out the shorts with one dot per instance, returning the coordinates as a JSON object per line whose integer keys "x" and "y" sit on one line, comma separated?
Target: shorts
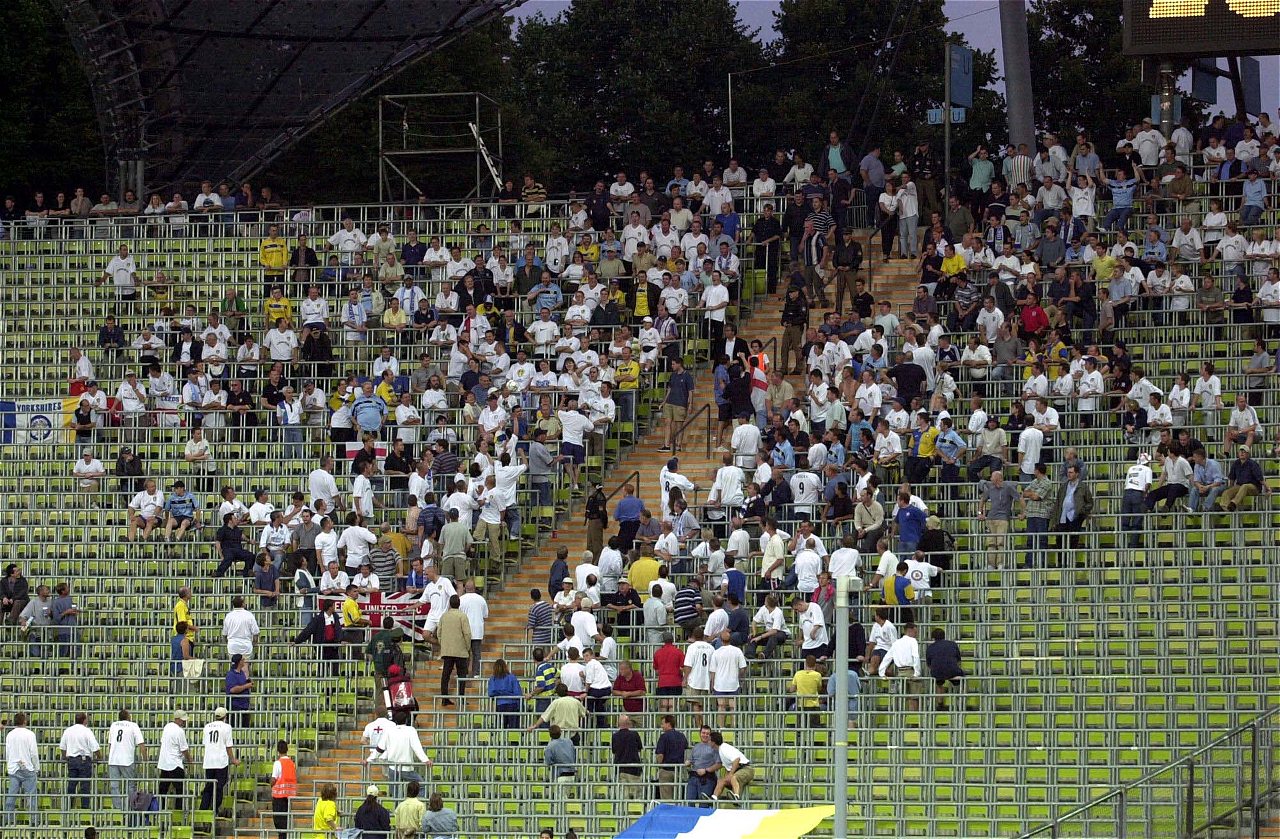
{"x": 725, "y": 412}
{"x": 696, "y": 695}
{"x": 726, "y": 693}
{"x": 1239, "y": 437}
{"x": 676, "y": 413}
{"x": 182, "y": 519}
{"x": 671, "y": 691}
{"x": 575, "y": 453}
{"x": 823, "y": 651}
{"x": 953, "y": 680}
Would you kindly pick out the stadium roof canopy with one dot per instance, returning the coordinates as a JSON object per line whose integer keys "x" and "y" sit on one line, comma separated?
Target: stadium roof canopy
{"x": 219, "y": 88}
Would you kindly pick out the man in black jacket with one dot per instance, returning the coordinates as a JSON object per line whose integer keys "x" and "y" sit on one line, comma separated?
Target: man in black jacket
{"x": 324, "y": 630}
{"x": 597, "y": 520}
{"x": 793, "y": 224}
{"x": 766, "y": 235}
{"x": 848, "y": 262}
{"x": 795, "y": 319}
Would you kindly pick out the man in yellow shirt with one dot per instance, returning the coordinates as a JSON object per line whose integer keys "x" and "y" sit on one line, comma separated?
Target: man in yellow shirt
{"x": 626, "y": 371}
{"x": 952, "y": 263}
{"x": 277, "y": 306}
{"x": 806, "y": 684}
{"x": 1103, "y": 264}
{"x": 182, "y": 614}
{"x": 353, "y": 620}
{"x": 273, "y": 256}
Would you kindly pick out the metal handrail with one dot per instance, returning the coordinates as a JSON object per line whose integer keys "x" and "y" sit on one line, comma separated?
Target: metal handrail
{"x": 1188, "y": 761}
{"x": 679, "y": 432}
{"x": 635, "y": 475}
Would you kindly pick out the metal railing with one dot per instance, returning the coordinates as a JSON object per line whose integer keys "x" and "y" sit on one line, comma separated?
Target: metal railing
{"x": 704, "y": 412}
{"x": 1226, "y": 784}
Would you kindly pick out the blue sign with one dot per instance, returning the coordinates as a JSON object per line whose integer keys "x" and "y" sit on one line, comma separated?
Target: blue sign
{"x": 935, "y": 116}
{"x": 961, "y": 76}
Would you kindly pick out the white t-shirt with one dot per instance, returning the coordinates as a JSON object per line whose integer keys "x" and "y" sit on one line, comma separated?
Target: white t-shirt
{"x": 148, "y": 506}
{"x": 698, "y": 659}
{"x": 239, "y": 628}
{"x": 1030, "y": 441}
{"x": 714, "y": 295}
{"x": 217, "y": 741}
{"x": 78, "y": 741}
{"x": 920, "y": 574}
{"x": 844, "y": 562}
{"x": 585, "y": 628}
{"x": 726, "y": 664}
{"x": 122, "y": 741}
{"x": 810, "y": 618}
{"x": 477, "y": 611}
{"x": 807, "y": 567}
{"x": 883, "y": 635}
{"x": 1137, "y": 477}
{"x": 122, "y": 271}
{"x": 173, "y": 742}
{"x": 770, "y": 620}
{"x": 357, "y": 540}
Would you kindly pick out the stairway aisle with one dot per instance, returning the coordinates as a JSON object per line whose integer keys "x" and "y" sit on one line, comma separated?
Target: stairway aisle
{"x": 508, "y": 609}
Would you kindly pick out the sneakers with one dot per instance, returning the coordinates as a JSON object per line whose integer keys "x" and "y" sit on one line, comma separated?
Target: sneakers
{"x": 664, "y": 448}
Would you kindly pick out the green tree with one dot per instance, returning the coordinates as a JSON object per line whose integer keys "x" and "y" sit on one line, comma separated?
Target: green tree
{"x": 849, "y": 65}
{"x": 1080, "y": 76}
{"x": 48, "y": 127}
{"x": 629, "y": 83}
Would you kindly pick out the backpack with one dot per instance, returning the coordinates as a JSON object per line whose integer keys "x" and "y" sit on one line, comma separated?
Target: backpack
{"x": 402, "y": 697}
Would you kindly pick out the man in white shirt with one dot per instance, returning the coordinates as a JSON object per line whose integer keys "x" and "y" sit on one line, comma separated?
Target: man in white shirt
{"x": 399, "y": 751}
{"x": 1137, "y": 481}
{"x": 473, "y": 605}
{"x": 715, "y": 299}
{"x": 145, "y": 511}
{"x": 240, "y": 628}
{"x": 728, "y": 667}
{"x": 436, "y": 592}
{"x": 697, "y": 676}
{"x": 903, "y": 655}
{"x": 173, "y": 757}
{"x": 124, "y": 743}
{"x": 323, "y": 487}
{"x": 586, "y": 632}
{"x": 348, "y": 241}
{"x": 727, "y": 489}
{"x": 812, "y": 637}
{"x": 218, "y": 756}
{"x": 79, "y": 749}
{"x": 357, "y": 540}
{"x": 844, "y": 560}
{"x": 746, "y": 443}
{"x": 88, "y": 471}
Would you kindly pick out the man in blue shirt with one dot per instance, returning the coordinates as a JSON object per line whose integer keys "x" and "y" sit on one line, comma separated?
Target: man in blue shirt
{"x": 627, "y": 514}
{"x": 369, "y": 411}
{"x": 1255, "y": 199}
{"x": 1207, "y": 482}
{"x": 183, "y": 510}
{"x": 910, "y": 521}
{"x": 238, "y": 687}
{"x": 1122, "y": 190}
{"x": 676, "y": 406}
{"x": 950, "y": 447}
{"x": 546, "y": 295}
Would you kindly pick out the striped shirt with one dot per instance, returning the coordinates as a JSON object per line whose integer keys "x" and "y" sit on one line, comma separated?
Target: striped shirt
{"x": 540, "y": 622}
{"x": 686, "y": 604}
{"x": 545, "y": 679}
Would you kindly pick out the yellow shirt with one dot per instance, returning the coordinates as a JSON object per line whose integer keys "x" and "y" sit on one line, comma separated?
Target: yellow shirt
{"x": 1054, "y": 361}
{"x": 928, "y": 441}
{"x": 807, "y": 684}
{"x": 325, "y": 819}
{"x": 276, "y": 309}
{"x": 399, "y": 318}
{"x": 627, "y": 368}
{"x": 387, "y": 392}
{"x": 642, "y": 575}
{"x": 399, "y": 543}
{"x": 591, "y": 253}
{"x": 182, "y": 614}
{"x": 351, "y": 615}
{"x": 273, "y": 253}
{"x": 1103, "y": 266}
{"x": 953, "y": 265}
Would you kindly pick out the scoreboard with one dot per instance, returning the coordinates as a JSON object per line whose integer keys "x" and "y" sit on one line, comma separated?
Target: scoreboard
{"x": 1201, "y": 27}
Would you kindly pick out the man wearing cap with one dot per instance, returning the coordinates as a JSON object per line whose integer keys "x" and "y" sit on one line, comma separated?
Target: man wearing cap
{"x": 218, "y": 756}
{"x": 1137, "y": 480}
{"x": 173, "y": 757}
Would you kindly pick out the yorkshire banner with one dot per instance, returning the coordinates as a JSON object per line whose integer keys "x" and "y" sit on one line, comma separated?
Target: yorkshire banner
{"x": 669, "y": 821}
{"x": 38, "y": 421}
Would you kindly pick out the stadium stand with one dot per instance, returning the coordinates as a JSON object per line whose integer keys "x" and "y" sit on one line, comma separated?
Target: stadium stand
{"x": 1097, "y": 638}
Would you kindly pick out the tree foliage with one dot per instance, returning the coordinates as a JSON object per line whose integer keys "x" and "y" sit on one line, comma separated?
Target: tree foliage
{"x": 878, "y": 79}
{"x": 49, "y": 136}
{"x": 1079, "y": 75}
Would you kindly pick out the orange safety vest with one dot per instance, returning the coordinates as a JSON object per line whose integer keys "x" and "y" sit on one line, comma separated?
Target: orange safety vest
{"x": 286, "y": 786}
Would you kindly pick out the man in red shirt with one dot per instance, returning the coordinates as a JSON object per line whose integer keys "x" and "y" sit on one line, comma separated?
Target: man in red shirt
{"x": 630, "y": 686}
{"x": 1034, "y": 320}
{"x": 667, "y": 664}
